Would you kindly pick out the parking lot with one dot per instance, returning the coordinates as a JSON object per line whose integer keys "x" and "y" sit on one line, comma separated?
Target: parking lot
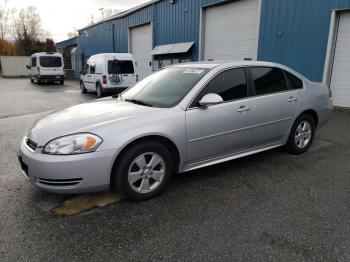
{"x": 267, "y": 207}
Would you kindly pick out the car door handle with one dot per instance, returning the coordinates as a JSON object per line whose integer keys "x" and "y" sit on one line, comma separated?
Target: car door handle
{"x": 243, "y": 109}
{"x": 292, "y": 99}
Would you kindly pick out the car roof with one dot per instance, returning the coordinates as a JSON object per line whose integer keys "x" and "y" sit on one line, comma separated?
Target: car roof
{"x": 243, "y": 63}
{"x": 47, "y": 54}
{"x": 124, "y": 56}
{"x": 212, "y": 64}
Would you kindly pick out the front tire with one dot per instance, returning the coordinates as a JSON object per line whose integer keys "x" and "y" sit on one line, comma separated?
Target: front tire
{"x": 301, "y": 135}
{"x": 143, "y": 171}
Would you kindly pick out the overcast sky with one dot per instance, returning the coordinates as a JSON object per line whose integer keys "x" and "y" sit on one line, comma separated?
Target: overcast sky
{"x": 61, "y": 16}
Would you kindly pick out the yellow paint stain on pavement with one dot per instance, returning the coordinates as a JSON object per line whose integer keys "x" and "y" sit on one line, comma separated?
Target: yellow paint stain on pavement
{"x": 82, "y": 203}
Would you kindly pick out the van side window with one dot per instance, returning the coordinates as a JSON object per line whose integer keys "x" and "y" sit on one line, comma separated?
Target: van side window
{"x": 33, "y": 61}
{"x": 268, "y": 80}
{"x": 295, "y": 82}
{"x": 230, "y": 85}
{"x": 92, "y": 69}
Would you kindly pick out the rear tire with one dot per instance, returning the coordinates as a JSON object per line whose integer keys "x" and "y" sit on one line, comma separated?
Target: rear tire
{"x": 143, "y": 171}
{"x": 99, "y": 90}
{"x": 82, "y": 87}
{"x": 301, "y": 135}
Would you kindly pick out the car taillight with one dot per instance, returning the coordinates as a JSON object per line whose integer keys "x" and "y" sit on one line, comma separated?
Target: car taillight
{"x": 104, "y": 80}
{"x": 38, "y": 70}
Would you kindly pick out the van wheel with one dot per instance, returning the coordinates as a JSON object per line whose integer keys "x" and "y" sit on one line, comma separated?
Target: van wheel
{"x": 82, "y": 87}
{"x": 99, "y": 90}
{"x": 143, "y": 171}
{"x": 301, "y": 135}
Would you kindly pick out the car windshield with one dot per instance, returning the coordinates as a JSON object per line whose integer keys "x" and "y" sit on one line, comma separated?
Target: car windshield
{"x": 50, "y": 61}
{"x": 165, "y": 88}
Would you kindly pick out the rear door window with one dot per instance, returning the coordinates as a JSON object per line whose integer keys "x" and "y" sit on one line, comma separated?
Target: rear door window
{"x": 50, "y": 61}
{"x": 120, "y": 67}
{"x": 268, "y": 80}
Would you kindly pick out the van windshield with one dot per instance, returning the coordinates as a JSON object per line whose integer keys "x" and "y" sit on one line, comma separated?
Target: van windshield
{"x": 120, "y": 67}
{"x": 50, "y": 61}
{"x": 165, "y": 88}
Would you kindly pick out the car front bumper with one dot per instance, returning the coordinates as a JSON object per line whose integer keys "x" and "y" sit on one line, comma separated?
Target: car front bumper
{"x": 70, "y": 174}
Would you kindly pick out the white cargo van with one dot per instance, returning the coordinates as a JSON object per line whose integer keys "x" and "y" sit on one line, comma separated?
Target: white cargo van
{"x": 46, "y": 67}
{"x": 107, "y": 73}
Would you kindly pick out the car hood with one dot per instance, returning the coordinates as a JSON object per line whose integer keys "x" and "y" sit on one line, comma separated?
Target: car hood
{"x": 84, "y": 118}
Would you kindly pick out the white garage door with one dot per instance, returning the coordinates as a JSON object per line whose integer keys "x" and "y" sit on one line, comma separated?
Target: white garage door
{"x": 340, "y": 80}
{"x": 230, "y": 31}
{"x": 141, "y": 48}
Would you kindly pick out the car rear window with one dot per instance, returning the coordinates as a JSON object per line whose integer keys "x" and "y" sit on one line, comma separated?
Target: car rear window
{"x": 50, "y": 61}
{"x": 120, "y": 67}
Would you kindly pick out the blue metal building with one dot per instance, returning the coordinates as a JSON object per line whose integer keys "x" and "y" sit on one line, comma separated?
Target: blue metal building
{"x": 298, "y": 33}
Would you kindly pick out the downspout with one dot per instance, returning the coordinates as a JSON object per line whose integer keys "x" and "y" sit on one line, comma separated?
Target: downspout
{"x": 113, "y": 37}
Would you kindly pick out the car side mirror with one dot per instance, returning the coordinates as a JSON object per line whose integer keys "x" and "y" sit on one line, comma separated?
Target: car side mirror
{"x": 28, "y": 66}
{"x": 210, "y": 99}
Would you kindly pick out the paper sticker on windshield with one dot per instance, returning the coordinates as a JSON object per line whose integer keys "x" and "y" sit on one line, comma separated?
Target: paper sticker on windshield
{"x": 193, "y": 71}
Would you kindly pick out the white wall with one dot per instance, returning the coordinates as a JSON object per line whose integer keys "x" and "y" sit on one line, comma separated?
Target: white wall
{"x": 14, "y": 66}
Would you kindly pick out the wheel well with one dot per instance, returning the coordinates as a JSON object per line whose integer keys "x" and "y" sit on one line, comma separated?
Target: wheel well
{"x": 313, "y": 114}
{"x": 160, "y": 139}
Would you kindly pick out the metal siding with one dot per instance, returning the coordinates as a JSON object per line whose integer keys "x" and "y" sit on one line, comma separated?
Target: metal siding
{"x": 175, "y": 25}
{"x": 97, "y": 39}
{"x": 67, "y": 43}
{"x": 123, "y": 24}
{"x": 305, "y": 28}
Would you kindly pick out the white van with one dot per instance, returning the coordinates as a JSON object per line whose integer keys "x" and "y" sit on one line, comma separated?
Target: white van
{"x": 107, "y": 73}
{"x": 46, "y": 67}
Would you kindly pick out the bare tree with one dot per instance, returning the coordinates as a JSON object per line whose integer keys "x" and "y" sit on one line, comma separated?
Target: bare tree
{"x": 4, "y": 18}
{"x": 27, "y": 21}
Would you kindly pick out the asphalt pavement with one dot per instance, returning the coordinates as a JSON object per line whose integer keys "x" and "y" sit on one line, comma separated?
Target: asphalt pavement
{"x": 267, "y": 207}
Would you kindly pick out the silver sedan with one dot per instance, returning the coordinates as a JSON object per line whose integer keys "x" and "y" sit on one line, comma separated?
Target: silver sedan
{"x": 178, "y": 119}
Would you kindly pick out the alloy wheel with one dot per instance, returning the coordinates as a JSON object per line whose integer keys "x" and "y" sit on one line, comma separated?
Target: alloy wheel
{"x": 303, "y": 134}
{"x": 146, "y": 172}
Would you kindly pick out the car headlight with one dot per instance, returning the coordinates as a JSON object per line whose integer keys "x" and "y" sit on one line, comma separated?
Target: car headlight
{"x": 73, "y": 144}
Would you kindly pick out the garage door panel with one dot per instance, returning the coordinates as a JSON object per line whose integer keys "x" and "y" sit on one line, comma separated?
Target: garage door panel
{"x": 340, "y": 80}
{"x": 141, "y": 48}
{"x": 230, "y": 31}
{"x": 226, "y": 32}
